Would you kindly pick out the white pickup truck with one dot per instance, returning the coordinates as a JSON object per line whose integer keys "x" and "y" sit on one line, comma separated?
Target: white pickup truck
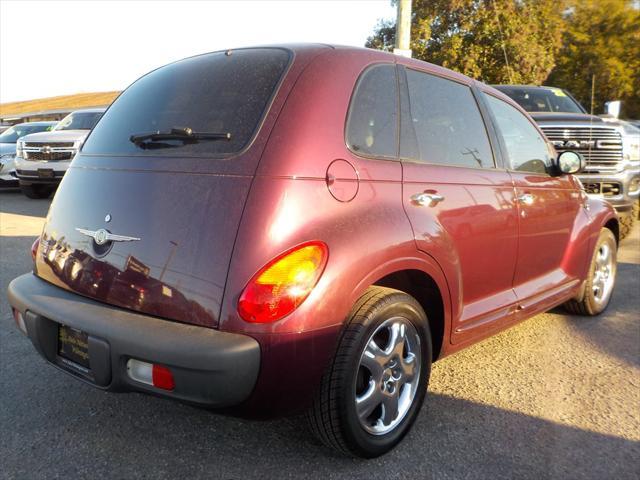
{"x": 611, "y": 147}
{"x": 43, "y": 158}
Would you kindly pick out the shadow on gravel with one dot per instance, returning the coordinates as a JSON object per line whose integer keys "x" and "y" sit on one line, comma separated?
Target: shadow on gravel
{"x": 76, "y": 431}
{"x": 616, "y": 332}
{"x": 15, "y": 202}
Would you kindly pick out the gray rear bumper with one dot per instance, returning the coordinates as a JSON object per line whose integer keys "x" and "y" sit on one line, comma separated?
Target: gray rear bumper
{"x": 210, "y": 367}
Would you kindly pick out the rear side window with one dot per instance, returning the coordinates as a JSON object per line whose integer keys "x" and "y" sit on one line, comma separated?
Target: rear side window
{"x": 526, "y": 148}
{"x": 446, "y": 126}
{"x": 372, "y": 125}
{"x": 212, "y": 93}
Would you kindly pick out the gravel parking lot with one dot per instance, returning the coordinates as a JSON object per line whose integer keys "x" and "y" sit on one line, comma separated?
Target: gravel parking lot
{"x": 555, "y": 397}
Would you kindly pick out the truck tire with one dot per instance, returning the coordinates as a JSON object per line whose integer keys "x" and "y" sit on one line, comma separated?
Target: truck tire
{"x": 601, "y": 278}
{"x": 626, "y": 222}
{"x": 375, "y": 385}
{"x": 36, "y": 191}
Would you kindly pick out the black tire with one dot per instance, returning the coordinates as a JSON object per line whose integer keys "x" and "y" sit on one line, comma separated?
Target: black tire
{"x": 626, "y": 223}
{"x": 36, "y": 191}
{"x": 333, "y": 418}
{"x": 589, "y": 304}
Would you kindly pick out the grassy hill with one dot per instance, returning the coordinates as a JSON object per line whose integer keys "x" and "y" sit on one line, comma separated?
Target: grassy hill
{"x": 71, "y": 102}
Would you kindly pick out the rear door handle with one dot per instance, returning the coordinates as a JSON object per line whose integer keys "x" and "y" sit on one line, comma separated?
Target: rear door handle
{"x": 427, "y": 199}
{"x": 526, "y": 199}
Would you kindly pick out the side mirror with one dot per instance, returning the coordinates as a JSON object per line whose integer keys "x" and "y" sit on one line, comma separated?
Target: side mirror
{"x": 570, "y": 162}
{"x": 613, "y": 108}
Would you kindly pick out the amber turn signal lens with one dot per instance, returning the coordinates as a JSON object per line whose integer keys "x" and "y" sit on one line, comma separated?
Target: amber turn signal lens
{"x": 283, "y": 284}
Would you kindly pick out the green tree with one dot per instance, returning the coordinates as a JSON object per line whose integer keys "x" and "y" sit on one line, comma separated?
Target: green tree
{"x": 497, "y": 41}
{"x": 602, "y": 39}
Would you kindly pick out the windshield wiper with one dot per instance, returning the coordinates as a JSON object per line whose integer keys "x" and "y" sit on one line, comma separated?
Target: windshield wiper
{"x": 183, "y": 134}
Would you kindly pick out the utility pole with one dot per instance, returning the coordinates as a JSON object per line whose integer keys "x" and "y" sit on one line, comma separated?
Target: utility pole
{"x": 403, "y": 29}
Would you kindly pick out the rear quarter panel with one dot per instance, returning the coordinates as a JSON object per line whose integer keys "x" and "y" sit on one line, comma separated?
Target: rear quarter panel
{"x": 290, "y": 203}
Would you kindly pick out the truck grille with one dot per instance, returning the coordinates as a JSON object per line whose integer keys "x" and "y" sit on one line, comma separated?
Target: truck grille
{"x": 48, "y": 157}
{"x": 48, "y": 152}
{"x": 45, "y": 144}
{"x": 601, "y": 146}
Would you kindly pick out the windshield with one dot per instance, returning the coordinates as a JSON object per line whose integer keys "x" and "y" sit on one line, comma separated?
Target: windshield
{"x": 211, "y": 94}
{"x": 542, "y": 99}
{"x": 12, "y": 134}
{"x": 79, "y": 121}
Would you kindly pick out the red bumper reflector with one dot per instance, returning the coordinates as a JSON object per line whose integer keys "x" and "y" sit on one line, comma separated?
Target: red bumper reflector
{"x": 162, "y": 378}
{"x": 152, "y": 374}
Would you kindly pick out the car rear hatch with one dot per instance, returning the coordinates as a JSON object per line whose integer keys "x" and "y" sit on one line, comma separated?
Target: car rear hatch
{"x": 148, "y": 221}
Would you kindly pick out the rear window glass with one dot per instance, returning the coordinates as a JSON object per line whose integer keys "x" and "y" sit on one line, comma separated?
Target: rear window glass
{"x": 208, "y": 94}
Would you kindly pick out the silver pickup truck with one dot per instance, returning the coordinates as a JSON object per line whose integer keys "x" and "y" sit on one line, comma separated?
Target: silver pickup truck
{"x": 43, "y": 158}
{"x": 611, "y": 147}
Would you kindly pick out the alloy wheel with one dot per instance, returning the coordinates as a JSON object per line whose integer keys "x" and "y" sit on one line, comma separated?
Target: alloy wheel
{"x": 388, "y": 376}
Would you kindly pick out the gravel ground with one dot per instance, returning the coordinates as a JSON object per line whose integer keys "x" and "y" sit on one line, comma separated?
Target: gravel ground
{"x": 554, "y": 397}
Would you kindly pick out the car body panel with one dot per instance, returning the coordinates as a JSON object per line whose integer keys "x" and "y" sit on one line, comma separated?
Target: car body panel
{"x": 207, "y": 225}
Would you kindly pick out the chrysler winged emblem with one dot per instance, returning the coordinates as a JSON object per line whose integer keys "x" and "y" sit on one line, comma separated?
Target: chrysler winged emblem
{"x": 101, "y": 236}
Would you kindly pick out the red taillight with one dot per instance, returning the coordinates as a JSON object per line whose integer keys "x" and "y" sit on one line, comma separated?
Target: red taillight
{"x": 162, "y": 377}
{"x": 34, "y": 248}
{"x": 283, "y": 284}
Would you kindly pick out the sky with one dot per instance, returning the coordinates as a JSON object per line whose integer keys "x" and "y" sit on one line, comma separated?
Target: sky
{"x": 50, "y": 48}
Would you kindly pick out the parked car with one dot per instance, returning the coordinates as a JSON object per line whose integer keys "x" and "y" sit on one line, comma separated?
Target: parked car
{"x": 8, "y": 140}
{"x": 43, "y": 158}
{"x": 280, "y": 229}
{"x": 611, "y": 146}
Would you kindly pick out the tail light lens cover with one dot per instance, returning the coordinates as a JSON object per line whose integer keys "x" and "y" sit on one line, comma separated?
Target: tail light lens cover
{"x": 283, "y": 284}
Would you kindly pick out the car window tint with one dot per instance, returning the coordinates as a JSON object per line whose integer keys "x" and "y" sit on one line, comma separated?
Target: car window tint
{"x": 526, "y": 148}
{"x": 445, "y": 123}
{"x": 211, "y": 93}
{"x": 373, "y": 114}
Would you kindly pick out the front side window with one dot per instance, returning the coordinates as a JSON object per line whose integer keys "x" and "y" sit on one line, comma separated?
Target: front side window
{"x": 372, "y": 125}
{"x": 206, "y": 105}
{"x": 526, "y": 148}
{"x": 446, "y": 122}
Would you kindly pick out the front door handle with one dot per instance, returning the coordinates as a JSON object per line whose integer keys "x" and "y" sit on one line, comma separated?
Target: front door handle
{"x": 427, "y": 199}
{"x": 526, "y": 199}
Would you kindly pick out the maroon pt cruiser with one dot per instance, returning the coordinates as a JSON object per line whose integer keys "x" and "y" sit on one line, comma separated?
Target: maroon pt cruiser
{"x": 279, "y": 229}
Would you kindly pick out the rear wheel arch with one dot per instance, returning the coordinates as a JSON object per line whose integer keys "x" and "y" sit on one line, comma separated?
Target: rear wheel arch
{"x": 613, "y": 225}
{"x": 425, "y": 290}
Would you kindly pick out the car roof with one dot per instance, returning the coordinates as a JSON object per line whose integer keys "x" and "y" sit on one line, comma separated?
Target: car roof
{"x": 89, "y": 110}
{"x": 536, "y": 87}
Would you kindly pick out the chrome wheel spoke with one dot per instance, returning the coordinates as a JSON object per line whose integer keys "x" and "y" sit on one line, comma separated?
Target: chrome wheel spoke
{"x": 373, "y": 360}
{"x": 396, "y": 336}
{"x": 389, "y": 408}
{"x": 368, "y": 401}
{"x": 409, "y": 368}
